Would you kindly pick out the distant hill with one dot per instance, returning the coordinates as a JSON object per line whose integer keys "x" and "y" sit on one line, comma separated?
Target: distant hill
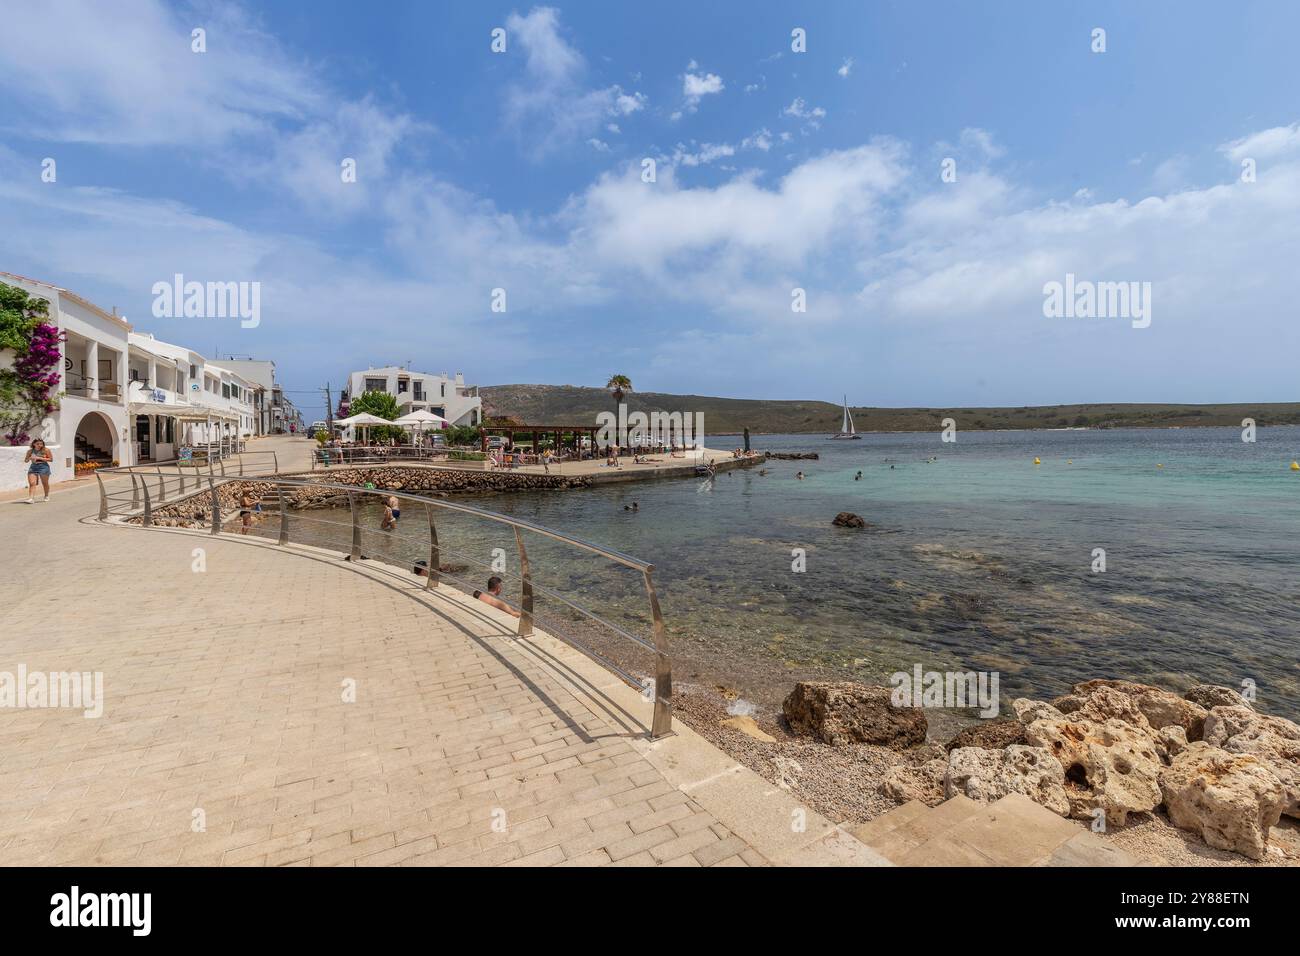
{"x": 569, "y": 404}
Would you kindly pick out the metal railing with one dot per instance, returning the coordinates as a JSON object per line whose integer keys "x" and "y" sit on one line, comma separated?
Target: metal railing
{"x": 376, "y": 454}
{"x": 187, "y": 477}
{"x": 144, "y": 499}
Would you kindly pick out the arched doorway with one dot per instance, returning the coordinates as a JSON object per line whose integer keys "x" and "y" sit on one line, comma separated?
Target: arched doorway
{"x": 95, "y": 439}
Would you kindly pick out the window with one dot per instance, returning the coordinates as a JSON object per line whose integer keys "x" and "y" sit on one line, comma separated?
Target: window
{"x": 194, "y": 372}
{"x": 401, "y": 385}
{"x": 225, "y": 390}
{"x": 376, "y": 385}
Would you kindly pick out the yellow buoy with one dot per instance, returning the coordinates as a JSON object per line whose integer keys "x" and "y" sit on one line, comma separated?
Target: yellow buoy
{"x": 1037, "y": 462}
{"x": 1160, "y": 466}
{"x": 1295, "y": 466}
{"x": 1069, "y": 461}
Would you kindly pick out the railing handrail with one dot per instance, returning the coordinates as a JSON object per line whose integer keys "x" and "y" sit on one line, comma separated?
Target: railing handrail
{"x": 153, "y": 465}
{"x": 208, "y": 484}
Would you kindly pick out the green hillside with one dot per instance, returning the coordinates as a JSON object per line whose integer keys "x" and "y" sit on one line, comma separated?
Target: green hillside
{"x": 568, "y": 404}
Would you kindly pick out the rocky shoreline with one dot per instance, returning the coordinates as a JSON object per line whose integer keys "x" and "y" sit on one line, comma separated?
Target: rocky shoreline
{"x": 1182, "y": 780}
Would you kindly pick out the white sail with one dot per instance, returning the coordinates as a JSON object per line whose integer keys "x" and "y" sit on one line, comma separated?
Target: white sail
{"x": 846, "y": 426}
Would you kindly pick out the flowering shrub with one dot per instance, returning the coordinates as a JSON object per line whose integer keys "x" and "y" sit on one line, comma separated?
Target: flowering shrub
{"x": 27, "y": 391}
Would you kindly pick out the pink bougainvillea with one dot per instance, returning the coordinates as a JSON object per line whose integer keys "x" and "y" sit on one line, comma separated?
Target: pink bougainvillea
{"x": 36, "y": 382}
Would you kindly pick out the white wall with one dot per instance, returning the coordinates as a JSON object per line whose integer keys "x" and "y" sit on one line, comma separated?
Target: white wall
{"x": 13, "y": 470}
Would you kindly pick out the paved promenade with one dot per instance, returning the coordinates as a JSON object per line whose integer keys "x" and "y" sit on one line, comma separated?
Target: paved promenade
{"x": 267, "y": 706}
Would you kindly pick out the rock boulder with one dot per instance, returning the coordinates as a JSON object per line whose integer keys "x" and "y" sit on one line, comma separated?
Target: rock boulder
{"x": 842, "y": 712}
{"x": 988, "y": 775}
{"x": 924, "y": 782}
{"x": 1231, "y": 800}
{"x": 989, "y": 734}
{"x": 1212, "y": 695}
{"x": 1109, "y": 765}
{"x": 1274, "y": 740}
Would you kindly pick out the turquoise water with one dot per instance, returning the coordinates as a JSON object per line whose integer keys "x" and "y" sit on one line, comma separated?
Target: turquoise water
{"x": 977, "y": 560}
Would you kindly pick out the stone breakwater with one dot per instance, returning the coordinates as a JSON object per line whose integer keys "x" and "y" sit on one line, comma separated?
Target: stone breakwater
{"x": 450, "y": 480}
{"x": 195, "y": 509}
{"x": 1105, "y": 751}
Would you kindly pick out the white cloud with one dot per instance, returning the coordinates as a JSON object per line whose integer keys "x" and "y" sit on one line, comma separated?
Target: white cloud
{"x": 1265, "y": 144}
{"x": 707, "y": 153}
{"x": 800, "y": 110}
{"x": 552, "y": 106}
{"x": 626, "y": 104}
{"x": 760, "y": 139}
{"x": 245, "y": 108}
{"x": 697, "y": 86}
{"x": 846, "y": 67}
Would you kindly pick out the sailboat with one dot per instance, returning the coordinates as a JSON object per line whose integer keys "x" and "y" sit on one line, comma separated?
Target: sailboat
{"x": 846, "y": 427}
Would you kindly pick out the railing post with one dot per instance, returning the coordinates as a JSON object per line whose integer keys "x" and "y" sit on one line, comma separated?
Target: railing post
{"x": 662, "y": 724}
{"x": 103, "y": 498}
{"x": 162, "y": 485}
{"x": 275, "y": 462}
{"x": 435, "y": 558}
{"x": 148, "y": 505}
{"x": 284, "y": 515}
{"x": 222, "y": 462}
{"x": 241, "y": 466}
{"x": 526, "y": 602}
{"x": 356, "y": 527}
{"x": 215, "y": 527}
{"x": 135, "y": 492}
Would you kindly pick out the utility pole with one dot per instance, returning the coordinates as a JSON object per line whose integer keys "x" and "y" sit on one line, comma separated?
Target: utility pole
{"x": 329, "y": 410}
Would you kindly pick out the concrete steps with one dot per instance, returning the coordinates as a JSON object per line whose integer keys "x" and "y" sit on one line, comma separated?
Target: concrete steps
{"x": 1013, "y": 831}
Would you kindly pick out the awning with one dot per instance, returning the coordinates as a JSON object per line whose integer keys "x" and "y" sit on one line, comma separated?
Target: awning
{"x": 189, "y": 413}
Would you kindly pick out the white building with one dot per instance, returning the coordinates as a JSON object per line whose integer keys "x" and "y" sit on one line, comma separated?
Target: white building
{"x": 91, "y": 420}
{"x": 127, "y": 397}
{"x": 261, "y": 373}
{"x": 419, "y": 391}
{"x": 177, "y": 397}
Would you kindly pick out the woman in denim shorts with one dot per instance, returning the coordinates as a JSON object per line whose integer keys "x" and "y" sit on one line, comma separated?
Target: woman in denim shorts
{"x": 39, "y": 468}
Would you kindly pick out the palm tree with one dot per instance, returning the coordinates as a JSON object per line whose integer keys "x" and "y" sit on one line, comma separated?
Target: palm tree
{"x": 618, "y": 386}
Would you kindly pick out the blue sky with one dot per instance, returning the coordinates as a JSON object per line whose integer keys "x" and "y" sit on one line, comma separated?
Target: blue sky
{"x": 775, "y": 170}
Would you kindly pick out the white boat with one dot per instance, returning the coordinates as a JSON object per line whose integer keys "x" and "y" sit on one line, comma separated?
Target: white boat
{"x": 846, "y": 427}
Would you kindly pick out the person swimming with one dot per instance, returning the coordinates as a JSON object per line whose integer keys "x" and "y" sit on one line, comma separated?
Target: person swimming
{"x": 490, "y": 596}
{"x": 858, "y": 476}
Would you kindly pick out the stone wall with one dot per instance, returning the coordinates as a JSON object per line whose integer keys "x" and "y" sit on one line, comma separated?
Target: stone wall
{"x": 195, "y": 510}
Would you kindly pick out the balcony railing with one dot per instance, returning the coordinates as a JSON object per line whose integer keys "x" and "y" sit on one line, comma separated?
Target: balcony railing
{"x": 83, "y": 387}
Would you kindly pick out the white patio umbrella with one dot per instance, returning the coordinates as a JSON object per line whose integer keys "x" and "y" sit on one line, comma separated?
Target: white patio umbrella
{"x": 365, "y": 420}
{"x": 420, "y": 418}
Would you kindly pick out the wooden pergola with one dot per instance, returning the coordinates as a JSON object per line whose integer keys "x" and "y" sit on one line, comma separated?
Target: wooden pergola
{"x": 555, "y": 432}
